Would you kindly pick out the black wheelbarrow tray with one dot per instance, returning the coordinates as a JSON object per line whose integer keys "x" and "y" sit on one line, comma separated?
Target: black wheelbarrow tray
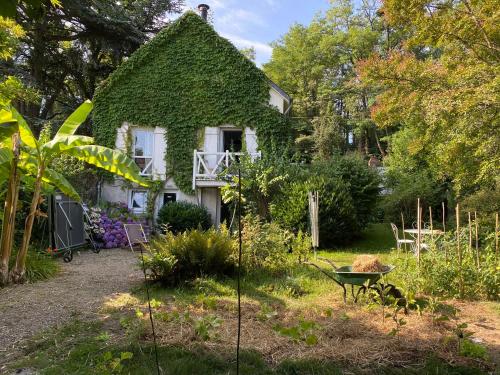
{"x": 363, "y": 280}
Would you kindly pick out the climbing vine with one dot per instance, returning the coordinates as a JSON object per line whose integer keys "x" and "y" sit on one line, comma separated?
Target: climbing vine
{"x": 184, "y": 79}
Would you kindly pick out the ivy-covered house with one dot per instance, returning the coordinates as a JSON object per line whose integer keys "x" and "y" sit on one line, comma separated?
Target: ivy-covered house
{"x": 184, "y": 106}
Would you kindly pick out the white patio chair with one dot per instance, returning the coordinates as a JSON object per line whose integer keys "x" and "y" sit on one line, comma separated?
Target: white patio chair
{"x": 399, "y": 241}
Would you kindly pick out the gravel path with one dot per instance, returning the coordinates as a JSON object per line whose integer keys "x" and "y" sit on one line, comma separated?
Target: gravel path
{"x": 80, "y": 289}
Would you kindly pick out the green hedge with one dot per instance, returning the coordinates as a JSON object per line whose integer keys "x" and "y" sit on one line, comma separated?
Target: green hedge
{"x": 181, "y": 216}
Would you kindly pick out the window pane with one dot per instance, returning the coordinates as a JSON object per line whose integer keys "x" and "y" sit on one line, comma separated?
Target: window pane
{"x": 169, "y": 197}
{"x": 138, "y": 200}
{"x": 143, "y": 143}
{"x": 145, "y": 165}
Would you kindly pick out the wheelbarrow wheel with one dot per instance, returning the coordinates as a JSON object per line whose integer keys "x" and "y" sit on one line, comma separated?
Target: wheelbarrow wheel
{"x": 68, "y": 256}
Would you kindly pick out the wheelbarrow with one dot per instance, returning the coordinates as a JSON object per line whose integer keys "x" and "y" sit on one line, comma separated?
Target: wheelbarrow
{"x": 344, "y": 276}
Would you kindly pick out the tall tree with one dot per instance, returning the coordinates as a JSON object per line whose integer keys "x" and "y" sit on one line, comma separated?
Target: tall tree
{"x": 68, "y": 49}
{"x": 443, "y": 84}
{"x": 315, "y": 64}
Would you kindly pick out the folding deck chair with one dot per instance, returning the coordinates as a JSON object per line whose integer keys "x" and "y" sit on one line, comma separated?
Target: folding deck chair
{"x": 135, "y": 235}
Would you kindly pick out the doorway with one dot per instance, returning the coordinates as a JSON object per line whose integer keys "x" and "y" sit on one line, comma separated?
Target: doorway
{"x": 232, "y": 140}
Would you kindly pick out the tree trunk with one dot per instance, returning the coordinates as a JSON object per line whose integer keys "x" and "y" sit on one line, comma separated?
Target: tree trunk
{"x": 18, "y": 273}
{"x": 9, "y": 216}
{"x": 379, "y": 145}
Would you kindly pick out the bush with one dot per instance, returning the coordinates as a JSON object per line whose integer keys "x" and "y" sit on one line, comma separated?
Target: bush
{"x": 191, "y": 254}
{"x": 363, "y": 182}
{"x": 265, "y": 245}
{"x": 182, "y": 216}
{"x": 337, "y": 215}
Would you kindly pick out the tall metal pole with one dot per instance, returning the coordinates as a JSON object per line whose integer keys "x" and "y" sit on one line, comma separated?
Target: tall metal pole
{"x": 239, "y": 275}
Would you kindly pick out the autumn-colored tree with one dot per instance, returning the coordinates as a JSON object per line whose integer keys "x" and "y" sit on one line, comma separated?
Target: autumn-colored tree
{"x": 443, "y": 83}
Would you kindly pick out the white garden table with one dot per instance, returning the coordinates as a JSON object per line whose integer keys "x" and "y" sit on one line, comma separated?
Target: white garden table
{"x": 425, "y": 234}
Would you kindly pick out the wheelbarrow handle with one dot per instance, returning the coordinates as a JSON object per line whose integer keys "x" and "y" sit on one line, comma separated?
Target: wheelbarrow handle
{"x": 329, "y": 262}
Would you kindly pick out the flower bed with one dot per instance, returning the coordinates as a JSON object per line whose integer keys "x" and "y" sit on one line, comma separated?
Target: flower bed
{"x": 106, "y": 225}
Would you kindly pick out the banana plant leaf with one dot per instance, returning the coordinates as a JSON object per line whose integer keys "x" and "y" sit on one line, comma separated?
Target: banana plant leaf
{"x": 63, "y": 143}
{"x": 25, "y": 132}
{"x": 113, "y": 161}
{"x": 74, "y": 120}
{"x": 59, "y": 181}
{"x": 8, "y": 126}
{"x": 5, "y": 160}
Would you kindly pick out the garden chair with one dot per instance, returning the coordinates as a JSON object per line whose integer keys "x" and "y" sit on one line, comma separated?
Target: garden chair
{"x": 135, "y": 235}
{"x": 399, "y": 241}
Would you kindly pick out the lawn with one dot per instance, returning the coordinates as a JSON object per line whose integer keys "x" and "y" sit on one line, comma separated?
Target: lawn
{"x": 291, "y": 324}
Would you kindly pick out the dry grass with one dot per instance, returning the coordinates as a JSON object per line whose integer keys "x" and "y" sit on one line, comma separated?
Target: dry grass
{"x": 349, "y": 334}
{"x": 367, "y": 263}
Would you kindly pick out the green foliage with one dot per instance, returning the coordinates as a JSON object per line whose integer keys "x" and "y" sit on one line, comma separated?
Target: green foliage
{"x": 264, "y": 245}
{"x": 315, "y": 65}
{"x": 205, "y": 327}
{"x": 470, "y": 349}
{"x": 304, "y": 331}
{"x": 439, "y": 83}
{"x": 348, "y": 191}
{"x": 181, "y": 216}
{"x": 442, "y": 275}
{"x": 408, "y": 177}
{"x": 191, "y": 254}
{"x": 39, "y": 265}
{"x": 197, "y": 89}
{"x": 262, "y": 180}
{"x": 110, "y": 364}
{"x": 405, "y": 189}
{"x": 337, "y": 215}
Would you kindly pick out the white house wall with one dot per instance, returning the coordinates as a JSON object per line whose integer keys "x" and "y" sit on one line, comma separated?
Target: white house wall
{"x": 276, "y": 100}
{"x": 209, "y": 197}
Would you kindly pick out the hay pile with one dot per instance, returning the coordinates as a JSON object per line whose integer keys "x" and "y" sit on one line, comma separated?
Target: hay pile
{"x": 367, "y": 263}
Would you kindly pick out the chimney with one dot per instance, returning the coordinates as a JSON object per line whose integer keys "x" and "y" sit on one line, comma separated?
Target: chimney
{"x": 203, "y": 9}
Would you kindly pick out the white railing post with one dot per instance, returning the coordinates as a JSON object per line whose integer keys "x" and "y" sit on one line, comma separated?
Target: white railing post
{"x": 227, "y": 158}
{"x": 194, "y": 169}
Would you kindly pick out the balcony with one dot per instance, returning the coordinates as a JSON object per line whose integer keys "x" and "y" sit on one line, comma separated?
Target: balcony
{"x": 209, "y": 166}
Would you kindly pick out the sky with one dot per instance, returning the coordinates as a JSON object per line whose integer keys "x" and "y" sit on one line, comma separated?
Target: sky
{"x": 257, "y": 23}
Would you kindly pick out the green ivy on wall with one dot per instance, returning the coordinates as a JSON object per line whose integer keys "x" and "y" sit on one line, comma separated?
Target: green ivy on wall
{"x": 184, "y": 79}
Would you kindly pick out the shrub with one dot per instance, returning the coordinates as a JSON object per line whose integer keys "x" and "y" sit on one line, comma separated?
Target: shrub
{"x": 188, "y": 255}
{"x": 337, "y": 215}
{"x": 265, "y": 245}
{"x": 363, "y": 181}
{"x": 182, "y": 216}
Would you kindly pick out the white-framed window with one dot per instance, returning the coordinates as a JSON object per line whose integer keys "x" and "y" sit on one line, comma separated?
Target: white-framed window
{"x": 350, "y": 137}
{"x": 138, "y": 201}
{"x": 142, "y": 149}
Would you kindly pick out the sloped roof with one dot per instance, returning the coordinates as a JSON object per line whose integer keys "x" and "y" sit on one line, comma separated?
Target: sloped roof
{"x": 184, "y": 79}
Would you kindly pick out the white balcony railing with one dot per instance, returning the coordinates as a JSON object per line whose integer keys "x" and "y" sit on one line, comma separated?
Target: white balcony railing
{"x": 207, "y": 166}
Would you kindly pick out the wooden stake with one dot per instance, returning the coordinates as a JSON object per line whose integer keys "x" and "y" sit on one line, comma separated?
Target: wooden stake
{"x": 403, "y": 226}
{"x": 476, "y": 225}
{"x": 496, "y": 236}
{"x": 444, "y": 217}
{"x": 430, "y": 222}
{"x": 459, "y": 252}
{"x": 470, "y": 233}
{"x": 418, "y": 230}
